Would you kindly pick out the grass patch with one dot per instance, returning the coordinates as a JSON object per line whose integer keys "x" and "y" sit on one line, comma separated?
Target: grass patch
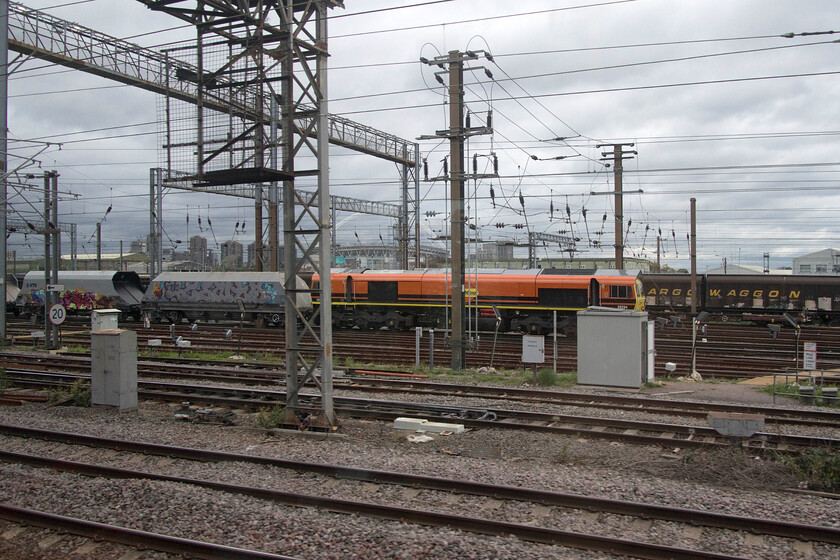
{"x": 77, "y": 395}
{"x": 789, "y": 388}
{"x": 792, "y": 390}
{"x": 819, "y": 469}
{"x": 546, "y": 377}
{"x": 269, "y": 418}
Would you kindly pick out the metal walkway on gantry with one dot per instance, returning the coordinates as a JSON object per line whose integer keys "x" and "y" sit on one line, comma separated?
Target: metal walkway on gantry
{"x": 43, "y": 36}
{"x": 36, "y": 34}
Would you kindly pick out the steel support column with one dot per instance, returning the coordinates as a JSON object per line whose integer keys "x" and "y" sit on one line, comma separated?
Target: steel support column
{"x": 52, "y": 250}
{"x": 456, "y": 198}
{"x": 4, "y": 173}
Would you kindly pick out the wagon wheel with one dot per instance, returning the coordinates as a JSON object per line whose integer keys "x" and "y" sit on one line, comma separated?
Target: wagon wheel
{"x": 276, "y": 318}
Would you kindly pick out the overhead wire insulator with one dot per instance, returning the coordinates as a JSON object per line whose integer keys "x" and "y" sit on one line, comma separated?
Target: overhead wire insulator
{"x": 490, "y": 118}
{"x": 445, "y": 166}
{"x": 495, "y": 164}
{"x": 425, "y": 169}
{"x": 468, "y": 120}
{"x": 492, "y": 196}
{"x": 475, "y": 164}
{"x": 521, "y": 200}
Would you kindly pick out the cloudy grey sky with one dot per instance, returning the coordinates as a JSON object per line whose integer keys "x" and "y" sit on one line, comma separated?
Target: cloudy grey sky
{"x": 721, "y": 105}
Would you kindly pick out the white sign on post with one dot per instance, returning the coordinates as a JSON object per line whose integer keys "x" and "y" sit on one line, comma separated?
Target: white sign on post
{"x": 57, "y": 314}
{"x": 55, "y": 287}
{"x": 533, "y": 349}
{"x": 809, "y": 355}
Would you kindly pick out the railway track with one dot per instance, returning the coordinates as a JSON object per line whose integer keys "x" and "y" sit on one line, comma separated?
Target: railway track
{"x": 478, "y": 416}
{"x": 723, "y": 351}
{"x": 99, "y": 532}
{"x": 462, "y": 492}
{"x": 266, "y": 374}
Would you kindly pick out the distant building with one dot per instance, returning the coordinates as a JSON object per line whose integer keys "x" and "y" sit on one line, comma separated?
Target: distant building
{"x": 744, "y": 269}
{"x": 825, "y": 262}
{"x": 251, "y": 254}
{"x": 136, "y": 262}
{"x": 138, "y": 246}
{"x": 232, "y": 253}
{"x": 495, "y": 252}
{"x": 198, "y": 252}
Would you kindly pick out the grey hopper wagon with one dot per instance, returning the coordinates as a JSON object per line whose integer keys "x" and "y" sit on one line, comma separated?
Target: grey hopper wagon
{"x": 221, "y": 296}
{"x": 84, "y": 291}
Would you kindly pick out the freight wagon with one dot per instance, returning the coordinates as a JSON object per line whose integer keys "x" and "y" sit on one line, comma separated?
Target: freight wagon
{"x": 216, "y": 296}
{"x": 749, "y": 296}
{"x": 83, "y": 291}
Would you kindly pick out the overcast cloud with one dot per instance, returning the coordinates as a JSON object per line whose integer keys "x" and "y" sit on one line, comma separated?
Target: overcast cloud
{"x": 721, "y": 107}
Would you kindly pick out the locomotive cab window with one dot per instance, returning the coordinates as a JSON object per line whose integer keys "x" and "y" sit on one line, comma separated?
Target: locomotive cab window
{"x": 621, "y": 291}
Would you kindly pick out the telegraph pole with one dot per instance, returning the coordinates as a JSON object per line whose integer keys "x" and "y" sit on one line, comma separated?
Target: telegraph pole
{"x": 693, "y": 256}
{"x": 618, "y": 155}
{"x": 457, "y": 133}
{"x": 456, "y": 197}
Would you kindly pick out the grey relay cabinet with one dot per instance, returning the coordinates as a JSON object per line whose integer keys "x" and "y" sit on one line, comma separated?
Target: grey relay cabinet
{"x": 615, "y": 348}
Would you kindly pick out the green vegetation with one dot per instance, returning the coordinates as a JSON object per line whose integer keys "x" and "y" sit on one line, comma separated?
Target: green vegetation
{"x": 78, "y": 395}
{"x": 546, "y": 377}
{"x": 792, "y": 390}
{"x": 210, "y": 356}
{"x": 780, "y": 388}
{"x": 819, "y": 469}
{"x": 5, "y": 382}
{"x": 270, "y": 417}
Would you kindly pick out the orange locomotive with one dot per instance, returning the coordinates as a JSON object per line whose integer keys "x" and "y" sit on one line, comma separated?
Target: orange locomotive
{"x": 520, "y": 299}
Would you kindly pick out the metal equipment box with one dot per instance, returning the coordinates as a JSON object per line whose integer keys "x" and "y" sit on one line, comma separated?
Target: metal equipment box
{"x": 104, "y": 319}
{"x": 615, "y": 348}
{"x": 113, "y": 368}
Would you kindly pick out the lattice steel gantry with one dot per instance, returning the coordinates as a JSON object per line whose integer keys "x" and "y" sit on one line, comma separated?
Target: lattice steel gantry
{"x": 266, "y": 55}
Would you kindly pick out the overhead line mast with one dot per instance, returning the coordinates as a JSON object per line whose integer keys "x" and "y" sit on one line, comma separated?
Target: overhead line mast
{"x": 617, "y": 156}
{"x": 457, "y": 133}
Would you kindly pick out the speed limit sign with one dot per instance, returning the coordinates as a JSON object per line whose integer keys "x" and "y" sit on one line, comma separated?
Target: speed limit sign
{"x": 57, "y": 314}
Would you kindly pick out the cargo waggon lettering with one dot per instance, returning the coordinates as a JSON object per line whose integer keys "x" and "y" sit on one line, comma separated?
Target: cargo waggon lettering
{"x": 676, "y": 292}
{"x": 753, "y": 296}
